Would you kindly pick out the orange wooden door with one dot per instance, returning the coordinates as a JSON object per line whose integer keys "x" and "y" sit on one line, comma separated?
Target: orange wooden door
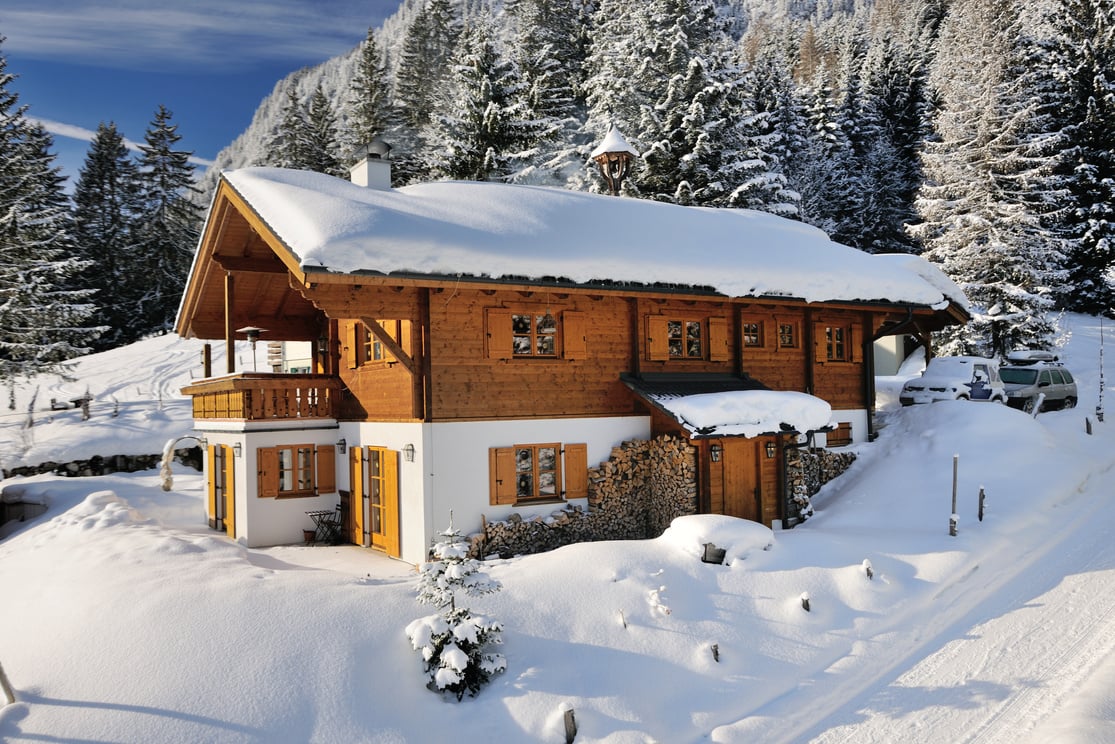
{"x": 376, "y": 481}
{"x": 734, "y": 480}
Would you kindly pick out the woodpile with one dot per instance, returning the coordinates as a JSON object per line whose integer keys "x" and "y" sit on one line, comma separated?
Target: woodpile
{"x": 635, "y": 495}
{"x": 809, "y": 469}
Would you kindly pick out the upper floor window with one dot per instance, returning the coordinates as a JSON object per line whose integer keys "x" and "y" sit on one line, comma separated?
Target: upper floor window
{"x": 683, "y": 338}
{"x": 670, "y": 338}
{"x": 528, "y": 333}
{"x": 788, "y": 335}
{"x": 838, "y": 344}
{"x": 534, "y": 334}
{"x": 752, "y": 333}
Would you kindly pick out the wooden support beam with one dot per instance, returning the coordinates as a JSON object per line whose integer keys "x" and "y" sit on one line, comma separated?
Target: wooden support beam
{"x": 230, "y": 343}
{"x": 385, "y": 338}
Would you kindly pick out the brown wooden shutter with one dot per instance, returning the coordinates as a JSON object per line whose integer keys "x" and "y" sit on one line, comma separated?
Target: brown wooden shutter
{"x": 268, "y": 472}
{"x": 820, "y": 343}
{"x": 658, "y": 346}
{"x": 325, "y": 469}
{"x": 718, "y": 347}
{"x": 574, "y": 344}
{"x": 497, "y": 321}
{"x": 230, "y": 492}
{"x": 390, "y": 498}
{"x": 576, "y": 471}
{"x": 501, "y": 471}
{"x": 357, "y": 505}
{"x": 353, "y": 346}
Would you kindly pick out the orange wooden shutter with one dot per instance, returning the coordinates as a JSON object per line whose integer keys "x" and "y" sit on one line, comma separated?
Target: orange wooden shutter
{"x": 268, "y": 472}
{"x": 501, "y": 470}
{"x": 576, "y": 471}
{"x": 325, "y": 466}
{"x": 230, "y": 492}
{"x": 356, "y": 462}
{"x": 658, "y": 346}
{"x": 352, "y": 352}
{"x": 391, "y": 501}
{"x": 498, "y": 328}
{"x": 574, "y": 344}
{"x": 211, "y": 485}
{"x": 718, "y": 347}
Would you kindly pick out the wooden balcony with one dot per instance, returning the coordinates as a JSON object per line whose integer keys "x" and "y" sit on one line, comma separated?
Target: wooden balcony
{"x": 263, "y": 397}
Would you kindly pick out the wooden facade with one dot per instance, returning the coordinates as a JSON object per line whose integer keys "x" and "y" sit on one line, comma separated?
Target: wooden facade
{"x": 435, "y": 349}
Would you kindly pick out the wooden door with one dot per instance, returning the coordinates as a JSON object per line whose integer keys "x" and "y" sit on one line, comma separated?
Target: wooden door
{"x": 734, "y": 479}
{"x": 378, "y": 488}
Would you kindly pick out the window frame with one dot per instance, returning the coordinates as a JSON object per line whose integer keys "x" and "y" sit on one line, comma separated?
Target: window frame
{"x": 311, "y": 471}
{"x": 534, "y": 335}
{"x": 752, "y": 334}
{"x": 794, "y": 334}
{"x": 569, "y": 469}
{"x": 831, "y": 343}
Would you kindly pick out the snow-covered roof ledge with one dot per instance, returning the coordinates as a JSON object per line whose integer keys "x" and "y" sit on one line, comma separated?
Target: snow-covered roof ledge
{"x": 748, "y": 413}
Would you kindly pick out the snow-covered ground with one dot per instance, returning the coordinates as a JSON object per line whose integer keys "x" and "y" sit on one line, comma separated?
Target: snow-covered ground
{"x": 123, "y": 619}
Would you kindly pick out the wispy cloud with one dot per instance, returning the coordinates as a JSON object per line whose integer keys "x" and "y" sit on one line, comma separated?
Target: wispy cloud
{"x": 205, "y": 34}
{"x": 61, "y": 129}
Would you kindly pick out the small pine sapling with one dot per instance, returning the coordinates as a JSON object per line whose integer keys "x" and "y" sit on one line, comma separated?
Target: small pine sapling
{"x": 455, "y": 644}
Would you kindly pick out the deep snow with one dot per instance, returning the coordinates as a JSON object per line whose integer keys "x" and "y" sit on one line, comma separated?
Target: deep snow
{"x": 124, "y": 619}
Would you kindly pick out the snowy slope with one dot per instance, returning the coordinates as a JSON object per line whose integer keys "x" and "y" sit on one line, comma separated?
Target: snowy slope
{"x": 125, "y": 620}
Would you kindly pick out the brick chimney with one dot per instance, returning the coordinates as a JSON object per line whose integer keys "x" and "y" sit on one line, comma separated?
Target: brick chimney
{"x": 373, "y": 166}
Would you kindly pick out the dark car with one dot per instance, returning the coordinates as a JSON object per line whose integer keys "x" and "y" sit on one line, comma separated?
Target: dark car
{"x": 1037, "y": 376}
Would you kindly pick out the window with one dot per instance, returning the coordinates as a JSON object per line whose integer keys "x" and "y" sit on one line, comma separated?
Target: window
{"x": 752, "y": 334}
{"x": 534, "y": 335}
{"x": 838, "y": 342}
{"x": 534, "y": 472}
{"x": 296, "y": 470}
{"x": 374, "y": 350}
{"x": 683, "y": 337}
{"x": 673, "y": 338}
{"x": 788, "y": 335}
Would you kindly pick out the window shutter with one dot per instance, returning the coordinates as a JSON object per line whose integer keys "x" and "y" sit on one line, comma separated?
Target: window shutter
{"x": 211, "y": 453}
{"x": 352, "y": 349}
{"x": 658, "y": 347}
{"x": 325, "y": 467}
{"x": 498, "y": 328}
{"x": 820, "y": 343}
{"x": 230, "y": 492}
{"x": 357, "y": 505}
{"x": 268, "y": 472}
{"x": 574, "y": 344}
{"x": 576, "y": 471}
{"x": 718, "y": 348}
{"x": 390, "y": 498}
{"x": 501, "y": 471}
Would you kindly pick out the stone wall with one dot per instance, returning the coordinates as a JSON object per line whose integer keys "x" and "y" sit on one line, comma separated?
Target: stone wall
{"x": 104, "y": 465}
{"x": 634, "y": 495}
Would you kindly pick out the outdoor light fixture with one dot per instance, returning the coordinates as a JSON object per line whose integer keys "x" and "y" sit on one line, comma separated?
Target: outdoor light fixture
{"x": 237, "y": 450}
{"x": 252, "y": 334}
{"x": 770, "y": 450}
{"x": 408, "y": 453}
{"x": 614, "y": 157}
{"x": 714, "y": 452}
{"x": 341, "y": 445}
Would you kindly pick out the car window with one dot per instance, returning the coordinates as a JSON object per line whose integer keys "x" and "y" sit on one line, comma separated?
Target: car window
{"x": 1068, "y": 376}
{"x": 1018, "y": 376}
{"x": 979, "y": 372}
{"x": 1055, "y": 375}
{"x": 1045, "y": 379}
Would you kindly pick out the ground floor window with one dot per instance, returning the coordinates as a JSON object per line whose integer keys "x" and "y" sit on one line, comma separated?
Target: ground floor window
{"x": 537, "y": 472}
{"x": 296, "y": 470}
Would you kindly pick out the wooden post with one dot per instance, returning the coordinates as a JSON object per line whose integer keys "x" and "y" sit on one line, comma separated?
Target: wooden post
{"x": 207, "y": 360}
{"x": 952, "y": 517}
{"x": 6, "y": 686}
{"x": 230, "y": 340}
{"x": 982, "y": 495}
{"x": 570, "y": 726}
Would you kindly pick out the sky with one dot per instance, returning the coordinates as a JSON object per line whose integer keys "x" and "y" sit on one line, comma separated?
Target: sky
{"x": 210, "y": 62}
{"x": 125, "y": 619}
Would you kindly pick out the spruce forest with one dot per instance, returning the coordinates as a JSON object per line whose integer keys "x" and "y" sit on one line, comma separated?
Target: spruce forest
{"x": 977, "y": 133}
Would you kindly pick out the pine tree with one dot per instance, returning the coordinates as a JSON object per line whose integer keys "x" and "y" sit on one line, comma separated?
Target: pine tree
{"x": 107, "y": 203}
{"x": 322, "y": 148}
{"x": 456, "y": 645}
{"x": 169, "y": 221}
{"x": 290, "y": 145}
{"x": 978, "y": 224}
{"x": 368, "y": 95}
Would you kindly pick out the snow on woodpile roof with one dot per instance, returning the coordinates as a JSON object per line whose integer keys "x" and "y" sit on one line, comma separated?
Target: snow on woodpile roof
{"x": 749, "y": 413}
{"x": 501, "y": 230}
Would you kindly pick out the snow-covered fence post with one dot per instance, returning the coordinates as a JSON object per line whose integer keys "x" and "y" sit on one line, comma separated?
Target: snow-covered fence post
{"x": 982, "y": 498}
{"x": 455, "y": 644}
{"x": 805, "y": 601}
{"x": 6, "y": 686}
{"x": 570, "y": 725}
{"x": 954, "y": 518}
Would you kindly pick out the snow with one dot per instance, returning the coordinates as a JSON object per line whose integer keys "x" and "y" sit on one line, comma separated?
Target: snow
{"x": 125, "y": 619}
{"x": 499, "y": 230}
{"x": 749, "y": 413}
{"x": 613, "y": 141}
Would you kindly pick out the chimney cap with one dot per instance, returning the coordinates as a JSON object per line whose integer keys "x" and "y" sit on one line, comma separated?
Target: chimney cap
{"x": 377, "y": 149}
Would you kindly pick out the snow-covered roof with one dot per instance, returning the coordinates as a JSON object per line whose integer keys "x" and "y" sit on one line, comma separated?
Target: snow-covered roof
{"x": 748, "y": 413}
{"x": 613, "y": 141}
{"x": 500, "y": 230}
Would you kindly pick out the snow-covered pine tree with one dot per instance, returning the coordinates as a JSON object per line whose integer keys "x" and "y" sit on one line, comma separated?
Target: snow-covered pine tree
{"x": 322, "y": 147}
{"x": 977, "y": 222}
{"x": 107, "y": 204}
{"x": 368, "y": 96}
{"x": 290, "y": 145}
{"x": 43, "y": 322}
{"x": 480, "y": 129}
{"x": 456, "y": 646}
{"x": 169, "y": 221}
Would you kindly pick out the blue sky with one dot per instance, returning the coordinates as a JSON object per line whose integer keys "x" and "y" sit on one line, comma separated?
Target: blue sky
{"x": 209, "y": 61}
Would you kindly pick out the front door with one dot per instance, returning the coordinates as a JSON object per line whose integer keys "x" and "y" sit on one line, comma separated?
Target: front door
{"x": 734, "y": 478}
{"x": 375, "y": 498}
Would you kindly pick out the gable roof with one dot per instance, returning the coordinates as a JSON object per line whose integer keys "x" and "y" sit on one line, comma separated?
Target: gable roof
{"x": 318, "y": 227}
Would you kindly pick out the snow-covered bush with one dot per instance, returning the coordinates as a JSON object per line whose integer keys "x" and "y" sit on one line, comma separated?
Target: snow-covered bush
{"x": 455, "y": 644}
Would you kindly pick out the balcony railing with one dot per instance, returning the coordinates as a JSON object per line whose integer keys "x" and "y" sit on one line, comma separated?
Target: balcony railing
{"x": 261, "y": 397}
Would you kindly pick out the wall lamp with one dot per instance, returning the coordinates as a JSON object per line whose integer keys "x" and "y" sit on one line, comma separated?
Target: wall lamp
{"x": 408, "y": 453}
{"x": 714, "y": 452}
{"x": 771, "y": 449}
{"x": 341, "y": 445}
{"x": 237, "y": 450}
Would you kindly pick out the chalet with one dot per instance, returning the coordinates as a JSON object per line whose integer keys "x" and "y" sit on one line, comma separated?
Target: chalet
{"x": 478, "y": 347}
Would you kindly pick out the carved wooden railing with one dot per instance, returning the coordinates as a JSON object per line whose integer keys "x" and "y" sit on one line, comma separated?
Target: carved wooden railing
{"x": 260, "y": 397}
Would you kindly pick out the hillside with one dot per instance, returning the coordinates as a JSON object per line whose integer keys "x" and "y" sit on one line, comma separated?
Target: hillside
{"x": 132, "y": 622}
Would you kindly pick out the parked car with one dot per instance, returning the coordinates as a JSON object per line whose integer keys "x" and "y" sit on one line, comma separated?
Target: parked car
{"x": 1029, "y": 375}
{"x": 955, "y": 378}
